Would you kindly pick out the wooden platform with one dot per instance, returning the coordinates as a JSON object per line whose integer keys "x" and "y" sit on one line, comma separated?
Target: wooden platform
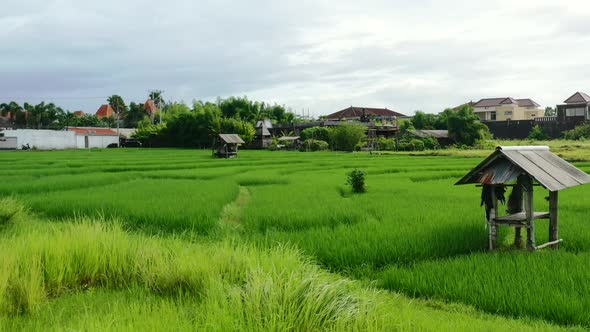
{"x": 519, "y": 219}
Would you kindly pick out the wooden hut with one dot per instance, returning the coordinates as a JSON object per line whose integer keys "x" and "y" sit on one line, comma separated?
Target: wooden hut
{"x": 522, "y": 168}
{"x": 227, "y": 145}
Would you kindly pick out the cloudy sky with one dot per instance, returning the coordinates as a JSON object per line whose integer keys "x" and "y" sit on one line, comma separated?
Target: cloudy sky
{"x": 316, "y": 55}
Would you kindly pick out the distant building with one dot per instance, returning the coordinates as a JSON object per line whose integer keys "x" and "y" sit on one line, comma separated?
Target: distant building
{"x": 94, "y": 137}
{"x": 507, "y": 108}
{"x": 575, "y": 108}
{"x": 364, "y": 114}
{"x": 105, "y": 111}
{"x": 79, "y": 113}
{"x": 263, "y": 137}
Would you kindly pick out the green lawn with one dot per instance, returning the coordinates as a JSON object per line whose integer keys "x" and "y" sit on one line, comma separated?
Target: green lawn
{"x": 105, "y": 239}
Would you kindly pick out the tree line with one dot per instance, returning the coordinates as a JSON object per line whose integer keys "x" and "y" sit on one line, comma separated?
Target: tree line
{"x": 232, "y": 110}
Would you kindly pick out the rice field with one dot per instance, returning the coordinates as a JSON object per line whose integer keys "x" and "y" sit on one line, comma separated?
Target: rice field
{"x": 103, "y": 239}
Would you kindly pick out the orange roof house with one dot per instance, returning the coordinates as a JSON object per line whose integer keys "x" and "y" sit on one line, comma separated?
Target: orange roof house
{"x": 79, "y": 113}
{"x": 105, "y": 111}
{"x": 150, "y": 107}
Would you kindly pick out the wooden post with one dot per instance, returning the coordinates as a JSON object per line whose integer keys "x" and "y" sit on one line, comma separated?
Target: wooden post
{"x": 518, "y": 230}
{"x": 529, "y": 210}
{"x": 492, "y": 221}
{"x": 553, "y": 219}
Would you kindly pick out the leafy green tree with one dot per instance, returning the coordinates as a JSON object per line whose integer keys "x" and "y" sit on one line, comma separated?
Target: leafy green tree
{"x": 317, "y": 133}
{"x": 243, "y": 128}
{"x": 538, "y": 134}
{"x": 464, "y": 126}
{"x": 345, "y": 137}
{"x": 422, "y": 120}
{"x": 16, "y": 112}
{"x": 550, "y": 111}
{"x": 134, "y": 115}
{"x": 119, "y": 108}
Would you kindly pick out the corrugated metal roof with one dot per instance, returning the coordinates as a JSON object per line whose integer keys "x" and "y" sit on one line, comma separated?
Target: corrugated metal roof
{"x": 288, "y": 138}
{"x": 548, "y": 169}
{"x": 231, "y": 138}
{"x": 430, "y": 133}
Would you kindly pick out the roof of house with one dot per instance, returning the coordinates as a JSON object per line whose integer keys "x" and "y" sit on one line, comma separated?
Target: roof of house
{"x": 231, "y": 138}
{"x": 79, "y": 113}
{"x": 288, "y": 138}
{"x": 105, "y": 111}
{"x": 507, "y": 162}
{"x": 150, "y": 107}
{"x": 429, "y": 133}
{"x": 357, "y": 112}
{"x": 527, "y": 102}
{"x": 262, "y": 127}
{"x": 92, "y": 131}
{"x": 578, "y": 97}
{"x": 493, "y": 102}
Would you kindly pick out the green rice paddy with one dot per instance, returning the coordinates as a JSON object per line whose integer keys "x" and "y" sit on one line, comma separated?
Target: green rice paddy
{"x": 177, "y": 240}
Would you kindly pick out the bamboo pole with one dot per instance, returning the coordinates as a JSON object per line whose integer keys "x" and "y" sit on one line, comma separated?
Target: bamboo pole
{"x": 529, "y": 209}
{"x": 553, "y": 220}
{"x": 492, "y": 221}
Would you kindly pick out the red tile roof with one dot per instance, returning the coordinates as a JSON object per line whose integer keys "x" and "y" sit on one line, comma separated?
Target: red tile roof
{"x": 93, "y": 131}
{"x": 79, "y": 113}
{"x": 105, "y": 111}
{"x": 356, "y": 112}
{"x": 150, "y": 107}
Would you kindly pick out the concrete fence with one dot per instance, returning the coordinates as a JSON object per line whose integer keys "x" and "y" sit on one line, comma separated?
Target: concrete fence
{"x": 57, "y": 140}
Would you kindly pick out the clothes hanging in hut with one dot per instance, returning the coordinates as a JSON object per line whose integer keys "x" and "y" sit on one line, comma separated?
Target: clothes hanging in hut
{"x": 488, "y": 200}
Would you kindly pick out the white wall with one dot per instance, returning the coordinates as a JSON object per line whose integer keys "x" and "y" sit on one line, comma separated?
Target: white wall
{"x": 43, "y": 139}
{"x": 57, "y": 140}
{"x": 8, "y": 143}
{"x": 101, "y": 141}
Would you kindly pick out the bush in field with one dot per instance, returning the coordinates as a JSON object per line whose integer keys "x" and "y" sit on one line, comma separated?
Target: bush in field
{"x": 414, "y": 144}
{"x": 314, "y": 145}
{"x": 538, "y": 134}
{"x": 316, "y": 133}
{"x": 346, "y": 137}
{"x": 385, "y": 143}
{"x": 464, "y": 126}
{"x": 430, "y": 143}
{"x": 578, "y": 133}
{"x": 356, "y": 179}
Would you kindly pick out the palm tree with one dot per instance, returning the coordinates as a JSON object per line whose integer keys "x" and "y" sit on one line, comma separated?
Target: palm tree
{"x": 156, "y": 96}
{"x": 15, "y": 112}
{"x": 119, "y": 107}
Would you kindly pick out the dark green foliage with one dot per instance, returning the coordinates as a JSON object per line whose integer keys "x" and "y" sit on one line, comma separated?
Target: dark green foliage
{"x": 314, "y": 145}
{"x": 346, "y": 137}
{"x": 422, "y": 120}
{"x": 537, "y": 133}
{"x": 464, "y": 126}
{"x": 135, "y": 114}
{"x": 385, "y": 143}
{"x": 579, "y": 132}
{"x": 550, "y": 111}
{"x": 356, "y": 179}
{"x": 316, "y": 133}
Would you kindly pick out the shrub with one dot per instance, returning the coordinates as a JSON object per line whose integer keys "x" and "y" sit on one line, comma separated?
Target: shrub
{"x": 385, "y": 143}
{"x": 345, "y": 137}
{"x": 537, "y": 133}
{"x": 580, "y": 132}
{"x": 316, "y": 133}
{"x": 314, "y": 145}
{"x": 356, "y": 179}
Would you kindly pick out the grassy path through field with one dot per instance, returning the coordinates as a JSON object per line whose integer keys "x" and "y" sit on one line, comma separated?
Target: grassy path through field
{"x": 231, "y": 214}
